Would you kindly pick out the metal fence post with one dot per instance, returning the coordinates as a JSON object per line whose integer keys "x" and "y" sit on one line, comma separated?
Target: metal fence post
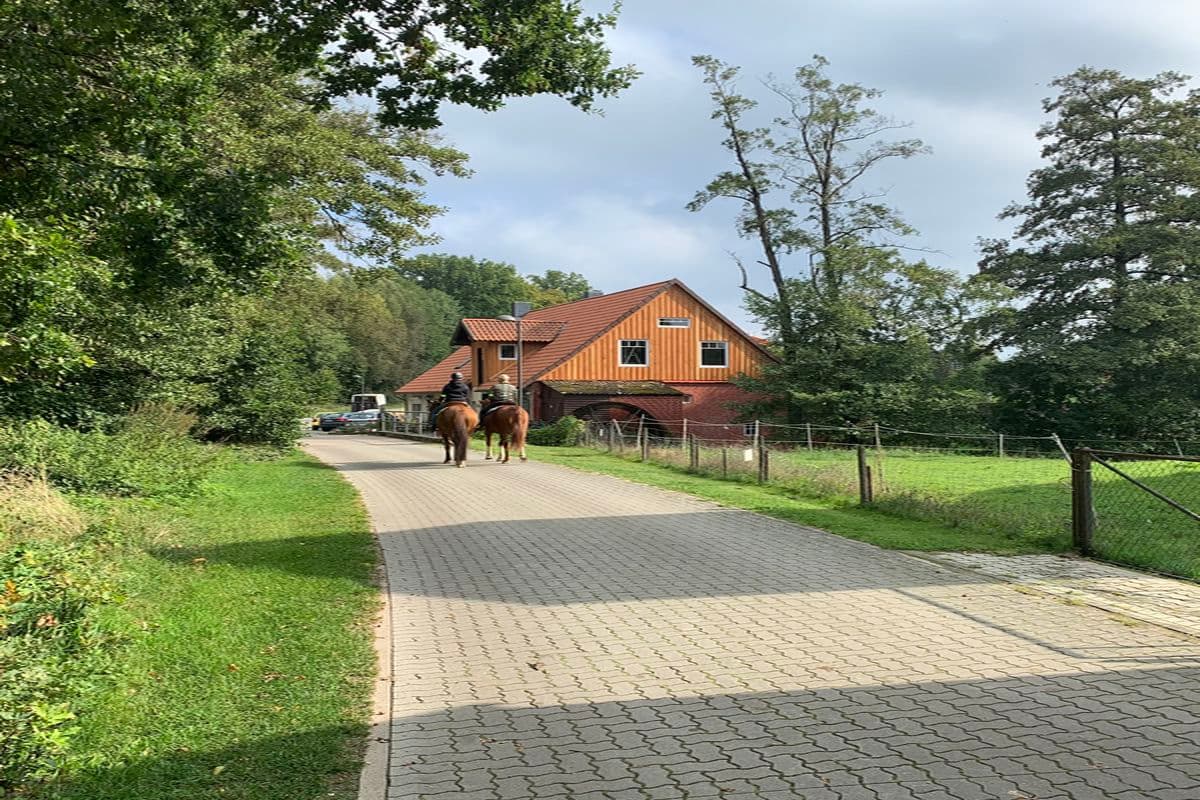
{"x": 684, "y": 440}
{"x": 619, "y": 435}
{"x": 865, "y": 495}
{"x": 1083, "y": 516}
{"x": 1001, "y": 445}
{"x": 808, "y": 434}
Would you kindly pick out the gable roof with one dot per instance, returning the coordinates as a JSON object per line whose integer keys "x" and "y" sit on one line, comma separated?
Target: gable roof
{"x": 433, "y": 379}
{"x": 503, "y": 330}
{"x": 574, "y": 325}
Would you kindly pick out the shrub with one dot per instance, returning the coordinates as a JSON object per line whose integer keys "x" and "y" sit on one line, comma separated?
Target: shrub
{"x": 51, "y": 651}
{"x": 147, "y": 453}
{"x": 564, "y": 432}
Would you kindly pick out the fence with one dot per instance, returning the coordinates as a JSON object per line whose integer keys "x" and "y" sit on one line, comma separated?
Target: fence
{"x": 415, "y": 422}
{"x": 1139, "y": 509}
{"x": 1011, "y": 503}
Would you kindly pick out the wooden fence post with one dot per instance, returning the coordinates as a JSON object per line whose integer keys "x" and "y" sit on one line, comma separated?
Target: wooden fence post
{"x": 1062, "y": 448}
{"x": 1001, "y": 445}
{"x": 865, "y": 494}
{"x": 1083, "y": 517}
{"x": 808, "y": 434}
{"x": 693, "y": 454}
{"x": 764, "y": 464}
{"x": 724, "y": 462}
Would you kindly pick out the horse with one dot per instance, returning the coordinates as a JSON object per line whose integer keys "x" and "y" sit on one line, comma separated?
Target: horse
{"x": 510, "y": 423}
{"x": 455, "y": 423}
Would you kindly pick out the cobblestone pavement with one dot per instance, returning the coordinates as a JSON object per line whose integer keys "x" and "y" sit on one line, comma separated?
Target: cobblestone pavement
{"x": 1168, "y": 602}
{"x": 565, "y": 635}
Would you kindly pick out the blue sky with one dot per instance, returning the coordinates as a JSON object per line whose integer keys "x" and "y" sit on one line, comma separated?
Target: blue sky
{"x": 555, "y": 188}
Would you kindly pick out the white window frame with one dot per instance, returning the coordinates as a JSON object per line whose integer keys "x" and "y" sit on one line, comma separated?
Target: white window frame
{"x": 725, "y": 350}
{"x": 621, "y": 348}
{"x": 500, "y": 351}
{"x": 687, "y": 322}
{"x": 749, "y": 428}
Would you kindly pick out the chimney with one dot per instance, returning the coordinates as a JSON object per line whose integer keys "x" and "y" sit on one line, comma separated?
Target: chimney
{"x": 593, "y": 293}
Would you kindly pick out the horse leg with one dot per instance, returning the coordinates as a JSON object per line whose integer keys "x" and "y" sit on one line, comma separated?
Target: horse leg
{"x": 487, "y": 450}
{"x": 504, "y": 447}
{"x": 446, "y": 444}
{"x": 462, "y": 438}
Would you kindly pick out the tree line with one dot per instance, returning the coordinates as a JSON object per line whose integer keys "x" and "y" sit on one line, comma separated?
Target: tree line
{"x": 1086, "y": 322}
{"x": 187, "y": 194}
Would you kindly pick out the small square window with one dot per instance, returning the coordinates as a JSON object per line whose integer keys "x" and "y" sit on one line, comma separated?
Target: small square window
{"x": 674, "y": 322}
{"x": 635, "y": 352}
{"x": 714, "y": 354}
{"x": 508, "y": 352}
{"x": 749, "y": 429}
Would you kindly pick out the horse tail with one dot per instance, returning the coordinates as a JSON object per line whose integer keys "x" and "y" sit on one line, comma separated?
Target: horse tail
{"x": 462, "y": 436}
{"x": 519, "y": 428}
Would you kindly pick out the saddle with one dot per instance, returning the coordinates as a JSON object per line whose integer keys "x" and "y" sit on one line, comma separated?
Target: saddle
{"x": 492, "y": 406}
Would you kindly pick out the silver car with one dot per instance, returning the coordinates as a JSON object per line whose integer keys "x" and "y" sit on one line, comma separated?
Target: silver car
{"x": 360, "y": 421}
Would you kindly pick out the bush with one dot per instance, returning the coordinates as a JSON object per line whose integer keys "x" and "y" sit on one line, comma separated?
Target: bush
{"x": 51, "y": 648}
{"x": 147, "y": 453}
{"x": 564, "y": 432}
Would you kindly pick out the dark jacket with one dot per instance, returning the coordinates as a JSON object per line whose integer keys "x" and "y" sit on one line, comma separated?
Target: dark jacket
{"x": 456, "y": 392}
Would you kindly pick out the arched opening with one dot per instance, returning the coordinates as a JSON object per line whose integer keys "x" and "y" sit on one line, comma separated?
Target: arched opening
{"x": 628, "y": 417}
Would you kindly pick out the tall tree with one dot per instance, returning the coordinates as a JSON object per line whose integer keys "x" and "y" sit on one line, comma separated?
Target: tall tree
{"x": 482, "y": 288}
{"x": 557, "y": 286}
{"x": 863, "y": 335}
{"x": 1105, "y": 264}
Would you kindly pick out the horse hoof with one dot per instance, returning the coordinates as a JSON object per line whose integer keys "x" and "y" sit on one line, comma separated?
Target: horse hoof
{"x": 460, "y": 466}
{"x": 523, "y": 458}
{"x": 487, "y": 458}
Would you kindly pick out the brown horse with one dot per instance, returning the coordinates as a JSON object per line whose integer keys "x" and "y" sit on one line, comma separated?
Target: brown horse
{"x": 510, "y": 423}
{"x": 456, "y": 422}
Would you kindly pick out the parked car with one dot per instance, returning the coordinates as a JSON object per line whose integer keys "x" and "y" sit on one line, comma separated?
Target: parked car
{"x": 316, "y": 419}
{"x": 361, "y": 421}
{"x": 332, "y": 420}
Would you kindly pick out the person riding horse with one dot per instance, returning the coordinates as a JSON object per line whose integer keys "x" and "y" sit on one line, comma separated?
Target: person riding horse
{"x": 503, "y": 393}
{"x": 456, "y": 391}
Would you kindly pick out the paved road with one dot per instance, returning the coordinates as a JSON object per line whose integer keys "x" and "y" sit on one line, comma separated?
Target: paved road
{"x": 563, "y": 635}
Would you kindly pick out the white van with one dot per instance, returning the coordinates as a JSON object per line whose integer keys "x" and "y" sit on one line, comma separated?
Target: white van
{"x": 365, "y": 402}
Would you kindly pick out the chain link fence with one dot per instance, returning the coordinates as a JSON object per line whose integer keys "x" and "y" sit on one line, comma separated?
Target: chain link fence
{"x": 1139, "y": 509}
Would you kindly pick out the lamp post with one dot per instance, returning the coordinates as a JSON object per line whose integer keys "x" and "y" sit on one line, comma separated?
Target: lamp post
{"x": 362, "y": 383}
{"x": 520, "y": 309}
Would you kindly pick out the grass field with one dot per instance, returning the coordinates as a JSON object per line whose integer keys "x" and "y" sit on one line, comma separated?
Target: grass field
{"x": 249, "y": 661}
{"x": 939, "y": 501}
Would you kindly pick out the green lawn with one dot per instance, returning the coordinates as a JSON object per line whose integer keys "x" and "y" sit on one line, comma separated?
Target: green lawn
{"x": 795, "y": 503}
{"x": 249, "y": 663}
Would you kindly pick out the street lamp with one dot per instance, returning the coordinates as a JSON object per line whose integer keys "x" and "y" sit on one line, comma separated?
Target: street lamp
{"x": 520, "y": 309}
{"x": 362, "y": 383}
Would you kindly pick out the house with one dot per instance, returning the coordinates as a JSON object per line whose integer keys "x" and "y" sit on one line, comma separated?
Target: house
{"x": 656, "y": 352}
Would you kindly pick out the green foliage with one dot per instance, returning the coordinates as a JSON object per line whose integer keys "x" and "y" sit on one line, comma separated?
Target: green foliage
{"x": 46, "y": 283}
{"x": 167, "y": 170}
{"x": 413, "y": 56}
{"x": 564, "y": 432}
{"x": 1105, "y": 266}
{"x": 482, "y": 288}
{"x": 148, "y": 453}
{"x": 51, "y": 651}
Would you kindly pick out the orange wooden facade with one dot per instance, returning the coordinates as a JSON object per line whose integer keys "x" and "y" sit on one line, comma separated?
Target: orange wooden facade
{"x": 486, "y": 371}
{"x": 674, "y": 352}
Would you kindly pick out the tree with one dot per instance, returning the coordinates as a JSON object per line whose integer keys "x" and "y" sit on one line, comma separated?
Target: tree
{"x": 863, "y": 335}
{"x": 1105, "y": 265}
{"x": 482, "y": 288}
{"x": 567, "y": 285}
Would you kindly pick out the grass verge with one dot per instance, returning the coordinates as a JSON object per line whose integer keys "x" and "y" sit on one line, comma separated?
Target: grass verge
{"x": 832, "y": 514}
{"x": 248, "y": 663}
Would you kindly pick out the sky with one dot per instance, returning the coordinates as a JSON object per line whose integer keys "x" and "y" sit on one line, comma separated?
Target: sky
{"x": 605, "y": 195}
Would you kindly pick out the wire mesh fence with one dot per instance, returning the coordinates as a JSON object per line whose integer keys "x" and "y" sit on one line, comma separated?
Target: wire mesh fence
{"x": 1139, "y": 509}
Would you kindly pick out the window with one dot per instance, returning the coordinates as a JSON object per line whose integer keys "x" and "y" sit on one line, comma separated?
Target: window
{"x": 714, "y": 354}
{"x": 749, "y": 429}
{"x": 635, "y": 352}
{"x": 674, "y": 322}
{"x": 508, "y": 352}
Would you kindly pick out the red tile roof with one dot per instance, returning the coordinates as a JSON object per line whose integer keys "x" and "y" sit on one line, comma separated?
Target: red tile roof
{"x": 433, "y": 379}
{"x": 502, "y": 330}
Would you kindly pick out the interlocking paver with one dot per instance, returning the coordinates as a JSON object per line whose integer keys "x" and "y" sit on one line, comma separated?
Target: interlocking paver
{"x": 565, "y": 635}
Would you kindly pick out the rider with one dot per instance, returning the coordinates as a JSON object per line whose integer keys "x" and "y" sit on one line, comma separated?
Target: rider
{"x": 503, "y": 394}
{"x": 456, "y": 391}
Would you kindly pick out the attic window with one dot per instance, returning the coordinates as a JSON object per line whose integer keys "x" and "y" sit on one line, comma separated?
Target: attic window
{"x": 714, "y": 354}
{"x": 674, "y": 322}
{"x": 635, "y": 352}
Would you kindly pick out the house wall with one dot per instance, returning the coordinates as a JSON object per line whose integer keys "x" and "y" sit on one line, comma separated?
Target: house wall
{"x": 493, "y": 365}
{"x": 674, "y": 353}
